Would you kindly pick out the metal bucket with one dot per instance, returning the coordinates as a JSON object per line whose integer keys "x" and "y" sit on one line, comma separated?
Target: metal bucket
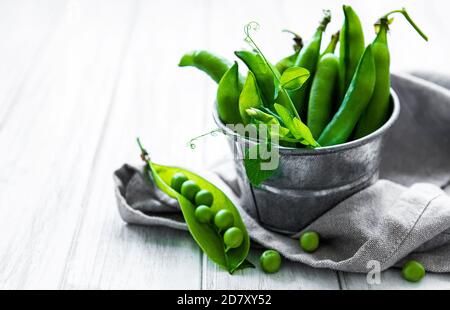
{"x": 309, "y": 182}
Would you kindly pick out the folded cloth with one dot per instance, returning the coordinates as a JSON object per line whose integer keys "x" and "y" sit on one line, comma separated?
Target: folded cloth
{"x": 405, "y": 215}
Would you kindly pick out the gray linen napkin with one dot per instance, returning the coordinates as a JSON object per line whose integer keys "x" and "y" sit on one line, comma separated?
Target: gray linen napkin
{"x": 396, "y": 219}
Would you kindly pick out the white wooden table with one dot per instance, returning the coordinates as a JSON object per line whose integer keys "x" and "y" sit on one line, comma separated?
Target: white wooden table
{"x": 81, "y": 79}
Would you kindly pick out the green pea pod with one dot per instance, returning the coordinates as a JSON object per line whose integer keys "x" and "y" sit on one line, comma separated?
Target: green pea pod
{"x": 208, "y": 239}
{"x": 208, "y": 62}
{"x": 292, "y": 79}
{"x": 332, "y": 45}
{"x": 228, "y": 92}
{"x": 296, "y": 127}
{"x": 377, "y": 111}
{"x": 323, "y": 92}
{"x": 286, "y": 62}
{"x": 260, "y": 117}
{"x": 249, "y": 98}
{"x": 308, "y": 58}
{"x": 351, "y": 48}
{"x": 289, "y": 61}
{"x": 263, "y": 75}
{"x": 355, "y": 102}
{"x": 324, "y": 89}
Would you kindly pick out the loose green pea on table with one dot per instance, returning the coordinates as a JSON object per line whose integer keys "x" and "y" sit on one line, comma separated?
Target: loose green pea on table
{"x": 270, "y": 261}
{"x": 413, "y": 271}
{"x": 309, "y": 241}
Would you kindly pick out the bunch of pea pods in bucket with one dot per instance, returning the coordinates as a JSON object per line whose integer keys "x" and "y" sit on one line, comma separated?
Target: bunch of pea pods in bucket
{"x": 322, "y": 109}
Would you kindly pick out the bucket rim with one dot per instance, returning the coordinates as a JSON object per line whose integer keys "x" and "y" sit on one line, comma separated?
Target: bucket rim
{"x": 329, "y": 149}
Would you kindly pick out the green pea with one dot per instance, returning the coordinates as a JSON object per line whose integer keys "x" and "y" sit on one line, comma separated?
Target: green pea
{"x": 189, "y": 189}
{"x": 413, "y": 271}
{"x": 177, "y": 180}
{"x": 204, "y": 214}
{"x": 309, "y": 241}
{"x": 270, "y": 261}
{"x": 204, "y": 197}
{"x": 224, "y": 219}
{"x": 233, "y": 238}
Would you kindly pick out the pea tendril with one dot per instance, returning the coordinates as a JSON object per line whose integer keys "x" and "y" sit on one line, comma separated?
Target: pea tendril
{"x": 254, "y": 26}
{"x": 212, "y": 133}
{"x": 403, "y": 11}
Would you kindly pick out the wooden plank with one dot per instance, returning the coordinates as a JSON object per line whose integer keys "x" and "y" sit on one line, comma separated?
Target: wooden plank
{"x": 163, "y": 104}
{"x": 292, "y": 276}
{"x": 392, "y": 280}
{"x": 52, "y": 136}
{"x": 26, "y": 27}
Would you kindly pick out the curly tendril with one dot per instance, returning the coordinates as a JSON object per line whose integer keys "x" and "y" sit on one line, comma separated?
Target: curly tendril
{"x": 212, "y": 133}
{"x": 251, "y": 26}
{"x": 254, "y": 26}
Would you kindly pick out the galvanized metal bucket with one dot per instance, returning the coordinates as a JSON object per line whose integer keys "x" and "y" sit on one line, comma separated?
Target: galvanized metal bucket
{"x": 309, "y": 182}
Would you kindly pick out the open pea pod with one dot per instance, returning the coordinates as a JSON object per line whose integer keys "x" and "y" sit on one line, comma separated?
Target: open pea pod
{"x": 205, "y": 235}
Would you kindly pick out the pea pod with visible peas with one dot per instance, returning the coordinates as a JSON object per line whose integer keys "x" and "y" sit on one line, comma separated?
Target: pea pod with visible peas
{"x": 229, "y": 256}
{"x": 377, "y": 111}
{"x": 351, "y": 48}
{"x": 323, "y": 90}
{"x": 308, "y": 58}
{"x": 213, "y": 65}
{"x": 355, "y": 102}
